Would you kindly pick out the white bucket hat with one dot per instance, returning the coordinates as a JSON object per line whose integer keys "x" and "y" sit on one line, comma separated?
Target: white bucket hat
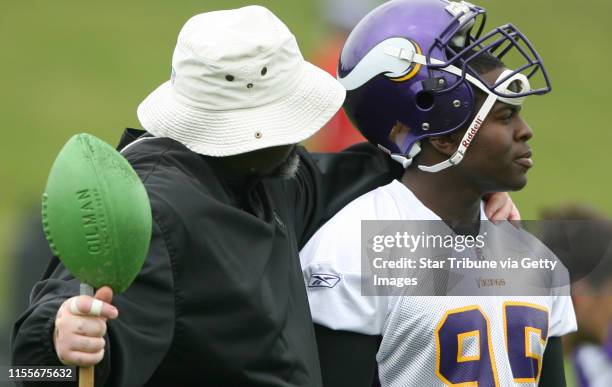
{"x": 239, "y": 83}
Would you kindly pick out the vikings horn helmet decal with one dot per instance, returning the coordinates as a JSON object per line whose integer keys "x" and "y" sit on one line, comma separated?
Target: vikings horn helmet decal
{"x": 408, "y": 61}
{"x": 375, "y": 62}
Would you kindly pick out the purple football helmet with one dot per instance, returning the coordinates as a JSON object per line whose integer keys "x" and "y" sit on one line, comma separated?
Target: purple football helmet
{"x": 408, "y": 61}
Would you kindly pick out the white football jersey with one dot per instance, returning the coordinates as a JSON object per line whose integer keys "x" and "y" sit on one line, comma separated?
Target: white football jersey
{"x": 426, "y": 340}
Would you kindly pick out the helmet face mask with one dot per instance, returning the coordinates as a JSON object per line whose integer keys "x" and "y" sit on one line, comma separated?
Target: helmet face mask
{"x": 410, "y": 61}
{"x": 501, "y": 42}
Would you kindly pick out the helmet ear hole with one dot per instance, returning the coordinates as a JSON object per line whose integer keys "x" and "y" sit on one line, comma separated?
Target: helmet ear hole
{"x": 425, "y": 100}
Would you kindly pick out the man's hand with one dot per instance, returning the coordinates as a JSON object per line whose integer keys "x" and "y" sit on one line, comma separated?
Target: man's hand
{"x": 80, "y": 326}
{"x": 499, "y": 206}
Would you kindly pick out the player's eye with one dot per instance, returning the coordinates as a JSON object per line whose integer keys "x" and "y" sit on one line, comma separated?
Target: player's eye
{"x": 508, "y": 116}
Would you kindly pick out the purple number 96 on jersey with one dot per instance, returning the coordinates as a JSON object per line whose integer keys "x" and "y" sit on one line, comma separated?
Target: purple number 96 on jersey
{"x": 464, "y": 354}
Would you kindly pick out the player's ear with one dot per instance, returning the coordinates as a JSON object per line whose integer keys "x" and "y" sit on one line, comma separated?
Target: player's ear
{"x": 446, "y": 145}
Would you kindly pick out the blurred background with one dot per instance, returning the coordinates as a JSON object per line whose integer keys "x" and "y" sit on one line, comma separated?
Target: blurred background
{"x": 70, "y": 66}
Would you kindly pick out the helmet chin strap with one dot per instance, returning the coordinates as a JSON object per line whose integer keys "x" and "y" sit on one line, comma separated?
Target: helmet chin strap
{"x": 407, "y": 161}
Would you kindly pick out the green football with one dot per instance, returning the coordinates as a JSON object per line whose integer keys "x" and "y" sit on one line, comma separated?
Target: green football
{"x": 96, "y": 214}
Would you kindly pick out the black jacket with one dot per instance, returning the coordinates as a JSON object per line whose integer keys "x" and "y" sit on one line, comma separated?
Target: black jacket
{"x": 220, "y": 300}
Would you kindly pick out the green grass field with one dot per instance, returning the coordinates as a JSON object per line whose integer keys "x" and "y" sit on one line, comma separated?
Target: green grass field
{"x": 70, "y": 66}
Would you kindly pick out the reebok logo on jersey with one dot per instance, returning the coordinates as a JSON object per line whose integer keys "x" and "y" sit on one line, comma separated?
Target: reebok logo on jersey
{"x": 323, "y": 281}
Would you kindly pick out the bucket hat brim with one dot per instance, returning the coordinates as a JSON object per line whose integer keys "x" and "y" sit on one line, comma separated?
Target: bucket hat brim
{"x": 300, "y": 113}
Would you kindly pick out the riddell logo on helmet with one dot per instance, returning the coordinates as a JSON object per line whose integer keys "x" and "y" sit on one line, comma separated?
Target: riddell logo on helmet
{"x": 470, "y": 137}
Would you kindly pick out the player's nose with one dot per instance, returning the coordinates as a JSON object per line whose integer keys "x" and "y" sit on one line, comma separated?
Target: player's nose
{"x": 523, "y": 131}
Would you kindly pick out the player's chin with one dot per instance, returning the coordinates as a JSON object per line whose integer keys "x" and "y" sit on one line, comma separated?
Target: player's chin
{"x": 516, "y": 181}
{"x": 510, "y": 179}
